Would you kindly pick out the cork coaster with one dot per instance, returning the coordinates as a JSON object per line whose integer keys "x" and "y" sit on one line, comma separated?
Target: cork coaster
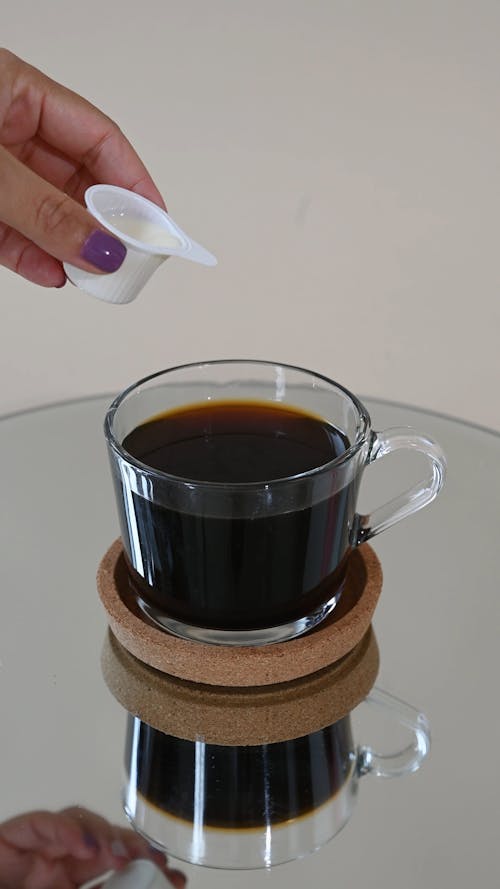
{"x": 246, "y": 716}
{"x": 237, "y": 665}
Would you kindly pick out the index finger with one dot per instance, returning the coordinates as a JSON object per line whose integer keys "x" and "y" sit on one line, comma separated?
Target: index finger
{"x": 77, "y": 128}
{"x": 53, "y": 835}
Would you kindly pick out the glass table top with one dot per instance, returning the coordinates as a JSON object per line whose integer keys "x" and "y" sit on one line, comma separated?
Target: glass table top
{"x": 62, "y": 733}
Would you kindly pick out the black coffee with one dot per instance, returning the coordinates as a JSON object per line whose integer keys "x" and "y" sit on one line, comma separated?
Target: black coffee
{"x": 235, "y": 442}
{"x": 238, "y": 573}
{"x": 238, "y": 787}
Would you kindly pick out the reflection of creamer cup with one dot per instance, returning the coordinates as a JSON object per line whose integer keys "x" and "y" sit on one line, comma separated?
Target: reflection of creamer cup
{"x": 149, "y": 234}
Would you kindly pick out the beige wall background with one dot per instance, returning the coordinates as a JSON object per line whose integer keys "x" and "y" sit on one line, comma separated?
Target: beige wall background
{"x": 340, "y": 158}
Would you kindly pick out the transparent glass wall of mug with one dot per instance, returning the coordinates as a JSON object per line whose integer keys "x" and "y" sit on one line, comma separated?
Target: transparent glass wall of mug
{"x": 248, "y": 562}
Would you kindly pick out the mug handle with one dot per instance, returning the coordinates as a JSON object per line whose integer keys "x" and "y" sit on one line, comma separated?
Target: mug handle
{"x": 402, "y": 762}
{"x": 382, "y": 443}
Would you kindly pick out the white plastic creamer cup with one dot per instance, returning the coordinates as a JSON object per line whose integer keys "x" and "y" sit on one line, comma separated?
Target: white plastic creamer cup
{"x": 149, "y": 234}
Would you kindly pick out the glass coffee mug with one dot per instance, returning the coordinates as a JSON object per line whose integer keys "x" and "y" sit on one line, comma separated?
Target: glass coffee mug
{"x": 236, "y": 484}
{"x": 256, "y": 806}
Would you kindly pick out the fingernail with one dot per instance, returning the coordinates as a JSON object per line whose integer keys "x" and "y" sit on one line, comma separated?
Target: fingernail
{"x": 119, "y": 849}
{"x": 176, "y": 878}
{"x": 90, "y": 841}
{"x": 103, "y": 251}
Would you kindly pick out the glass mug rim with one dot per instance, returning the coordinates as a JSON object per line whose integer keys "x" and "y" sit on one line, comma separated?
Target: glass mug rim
{"x": 363, "y": 427}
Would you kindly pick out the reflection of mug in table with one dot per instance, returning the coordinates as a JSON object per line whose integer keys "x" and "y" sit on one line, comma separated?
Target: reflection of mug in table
{"x": 254, "y": 806}
{"x": 239, "y": 806}
{"x": 251, "y": 777}
{"x": 236, "y": 485}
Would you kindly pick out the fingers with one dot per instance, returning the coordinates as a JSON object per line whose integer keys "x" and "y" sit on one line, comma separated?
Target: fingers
{"x": 52, "y": 835}
{"x": 176, "y": 877}
{"x": 47, "y": 849}
{"x": 138, "y": 847}
{"x": 53, "y": 145}
{"x": 47, "y": 875}
{"x": 20, "y": 255}
{"x": 74, "y": 127}
{"x": 58, "y": 225}
{"x": 81, "y": 131}
{"x": 52, "y": 165}
{"x": 103, "y": 838}
{"x": 114, "y": 847}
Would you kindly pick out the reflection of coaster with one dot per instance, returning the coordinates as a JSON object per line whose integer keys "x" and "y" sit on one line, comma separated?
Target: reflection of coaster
{"x": 245, "y": 716}
{"x": 236, "y": 665}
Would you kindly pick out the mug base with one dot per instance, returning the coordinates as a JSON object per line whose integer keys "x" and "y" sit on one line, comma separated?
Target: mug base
{"x": 262, "y": 636}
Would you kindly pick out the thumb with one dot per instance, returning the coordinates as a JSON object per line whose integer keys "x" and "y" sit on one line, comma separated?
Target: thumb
{"x": 53, "y": 221}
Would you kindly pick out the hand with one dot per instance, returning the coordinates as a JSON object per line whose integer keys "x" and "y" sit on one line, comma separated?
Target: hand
{"x": 53, "y": 145}
{"x": 64, "y": 850}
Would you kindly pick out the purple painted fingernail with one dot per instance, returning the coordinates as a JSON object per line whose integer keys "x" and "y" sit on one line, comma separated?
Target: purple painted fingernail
{"x": 103, "y": 251}
{"x": 90, "y": 841}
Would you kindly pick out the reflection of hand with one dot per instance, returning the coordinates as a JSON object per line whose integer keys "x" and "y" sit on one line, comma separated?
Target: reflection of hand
{"x": 63, "y": 850}
{"x": 53, "y": 145}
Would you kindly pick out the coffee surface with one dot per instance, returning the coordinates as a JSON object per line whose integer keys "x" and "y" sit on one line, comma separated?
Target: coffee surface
{"x": 232, "y": 572}
{"x": 235, "y": 442}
